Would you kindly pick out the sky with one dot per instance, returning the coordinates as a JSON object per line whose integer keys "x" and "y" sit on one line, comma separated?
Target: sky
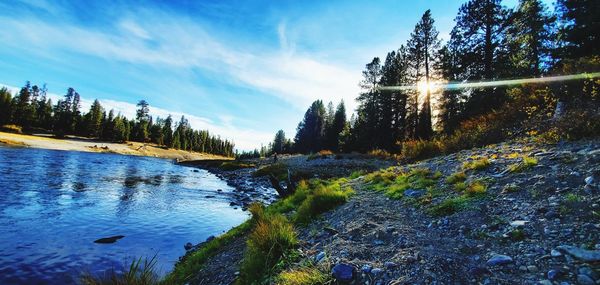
{"x": 241, "y": 69}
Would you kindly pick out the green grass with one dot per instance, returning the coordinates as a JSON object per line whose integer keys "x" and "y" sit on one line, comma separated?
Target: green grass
{"x": 478, "y": 164}
{"x": 193, "y": 263}
{"x": 510, "y": 188}
{"x": 139, "y": 273}
{"x": 526, "y": 163}
{"x": 235, "y": 165}
{"x": 450, "y": 206}
{"x": 476, "y": 188}
{"x": 308, "y": 275}
{"x": 572, "y": 198}
{"x": 456, "y": 177}
{"x": 271, "y": 239}
{"x": 357, "y": 173}
{"x": 393, "y": 182}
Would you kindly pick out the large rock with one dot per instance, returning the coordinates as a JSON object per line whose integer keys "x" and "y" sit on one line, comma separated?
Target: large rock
{"x": 579, "y": 253}
{"x": 343, "y": 272}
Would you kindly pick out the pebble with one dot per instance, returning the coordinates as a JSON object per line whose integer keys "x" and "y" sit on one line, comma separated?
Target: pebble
{"x": 499, "y": 259}
{"x": 532, "y": 268}
{"x": 552, "y": 274}
{"x": 589, "y": 180}
{"x": 367, "y": 268}
{"x": 545, "y": 282}
{"x": 377, "y": 271}
{"x": 589, "y": 272}
{"x": 320, "y": 256}
{"x": 389, "y": 264}
{"x": 555, "y": 253}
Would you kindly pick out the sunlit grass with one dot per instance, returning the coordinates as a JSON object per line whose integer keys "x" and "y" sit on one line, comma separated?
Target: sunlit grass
{"x": 478, "y": 164}
{"x": 526, "y": 163}
{"x": 308, "y": 275}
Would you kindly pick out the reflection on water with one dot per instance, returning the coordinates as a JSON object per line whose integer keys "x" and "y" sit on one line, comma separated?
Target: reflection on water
{"x": 54, "y": 204}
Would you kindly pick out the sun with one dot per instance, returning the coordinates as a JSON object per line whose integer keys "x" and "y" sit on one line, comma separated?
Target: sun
{"x": 423, "y": 87}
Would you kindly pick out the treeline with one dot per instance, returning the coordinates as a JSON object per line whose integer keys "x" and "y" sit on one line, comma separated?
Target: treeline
{"x": 32, "y": 110}
{"x": 402, "y": 102}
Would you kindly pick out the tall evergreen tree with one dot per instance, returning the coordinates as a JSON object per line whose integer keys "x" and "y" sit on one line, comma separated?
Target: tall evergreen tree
{"x": 425, "y": 44}
{"x": 5, "y": 106}
{"x": 279, "y": 142}
{"x": 94, "y": 124}
{"x": 310, "y": 132}
{"x": 530, "y": 38}
{"x": 479, "y": 36}
{"x": 580, "y": 28}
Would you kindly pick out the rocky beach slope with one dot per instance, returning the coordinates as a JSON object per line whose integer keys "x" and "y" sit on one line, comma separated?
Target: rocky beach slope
{"x": 519, "y": 212}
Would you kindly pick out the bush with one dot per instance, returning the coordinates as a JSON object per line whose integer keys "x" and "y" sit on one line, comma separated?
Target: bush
{"x": 11, "y": 129}
{"x": 380, "y": 153}
{"x": 420, "y": 149}
{"x": 479, "y": 131}
{"x": 272, "y": 238}
{"x": 578, "y": 124}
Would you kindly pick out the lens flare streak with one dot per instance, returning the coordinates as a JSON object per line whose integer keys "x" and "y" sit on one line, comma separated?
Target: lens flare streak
{"x": 484, "y": 84}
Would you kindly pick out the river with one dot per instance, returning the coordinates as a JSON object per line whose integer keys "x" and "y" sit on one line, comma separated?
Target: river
{"x": 54, "y": 204}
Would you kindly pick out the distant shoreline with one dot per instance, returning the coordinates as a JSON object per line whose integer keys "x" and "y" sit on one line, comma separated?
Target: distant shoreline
{"x": 90, "y": 145}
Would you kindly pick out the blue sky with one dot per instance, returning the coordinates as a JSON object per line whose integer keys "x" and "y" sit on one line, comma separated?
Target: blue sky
{"x": 241, "y": 69}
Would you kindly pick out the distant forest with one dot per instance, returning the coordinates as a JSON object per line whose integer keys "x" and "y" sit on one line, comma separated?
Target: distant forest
{"x": 489, "y": 42}
{"x": 32, "y": 110}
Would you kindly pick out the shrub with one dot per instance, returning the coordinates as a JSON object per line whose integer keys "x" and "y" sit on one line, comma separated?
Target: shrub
{"x": 11, "y": 129}
{"x": 479, "y": 131}
{"x": 394, "y": 184}
{"x": 460, "y": 186}
{"x": 138, "y": 274}
{"x": 420, "y": 149}
{"x": 303, "y": 276}
{"x": 456, "y": 177}
{"x": 271, "y": 239}
{"x": 380, "y": 153}
{"x": 578, "y": 124}
{"x": 478, "y": 164}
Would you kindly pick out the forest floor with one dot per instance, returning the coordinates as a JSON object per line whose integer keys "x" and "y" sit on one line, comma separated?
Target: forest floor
{"x": 535, "y": 221}
{"x": 90, "y": 145}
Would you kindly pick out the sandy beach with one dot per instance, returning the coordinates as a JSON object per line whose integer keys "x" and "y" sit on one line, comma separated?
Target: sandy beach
{"x": 89, "y": 145}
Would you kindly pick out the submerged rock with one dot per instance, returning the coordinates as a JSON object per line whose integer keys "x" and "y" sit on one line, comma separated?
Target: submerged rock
{"x": 112, "y": 239}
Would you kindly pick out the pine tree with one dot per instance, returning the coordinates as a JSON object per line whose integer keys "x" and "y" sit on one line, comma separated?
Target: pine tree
{"x": 580, "y": 28}
{"x": 142, "y": 120}
{"x": 279, "y": 142}
{"x": 94, "y": 124}
{"x": 530, "y": 38}
{"x": 310, "y": 132}
{"x": 425, "y": 44}
{"x": 368, "y": 122}
{"x": 479, "y": 36}
{"x": 5, "y": 106}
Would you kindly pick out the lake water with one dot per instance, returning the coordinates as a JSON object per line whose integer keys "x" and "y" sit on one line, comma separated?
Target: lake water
{"x": 54, "y": 204}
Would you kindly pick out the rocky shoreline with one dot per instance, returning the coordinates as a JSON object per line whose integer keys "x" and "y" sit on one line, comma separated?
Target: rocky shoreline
{"x": 536, "y": 226}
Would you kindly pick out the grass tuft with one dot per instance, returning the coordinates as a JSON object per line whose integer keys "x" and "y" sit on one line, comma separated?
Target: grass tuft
{"x": 450, "y": 206}
{"x": 271, "y": 239}
{"x": 139, "y": 273}
{"x": 303, "y": 276}
{"x": 526, "y": 163}
{"x": 477, "y": 165}
{"x": 235, "y": 165}
{"x": 456, "y": 177}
